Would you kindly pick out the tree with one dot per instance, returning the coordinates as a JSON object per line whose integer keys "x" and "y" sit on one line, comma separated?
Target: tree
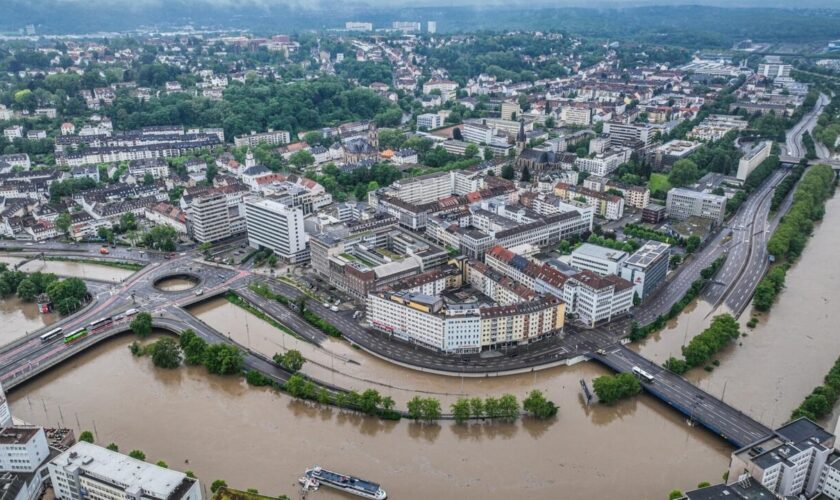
{"x": 193, "y": 347}
{"x": 683, "y": 173}
{"x": 525, "y": 176}
{"x": 537, "y": 405}
{"x": 611, "y": 388}
{"x": 161, "y": 237}
{"x": 457, "y": 135}
{"x": 507, "y": 172}
{"x": 471, "y": 151}
{"x": 137, "y": 454}
{"x": 477, "y": 407}
{"x": 460, "y": 410}
{"x": 692, "y": 243}
{"x": 369, "y": 401}
{"x": 210, "y": 174}
{"x": 27, "y": 291}
{"x": 113, "y": 447}
{"x": 488, "y": 155}
{"x": 302, "y": 159}
{"x": 68, "y": 294}
{"x": 161, "y": 463}
{"x": 431, "y": 409}
{"x": 491, "y": 408}
{"x": 190, "y": 474}
{"x": 128, "y": 222}
{"x": 675, "y": 494}
{"x": 63, "y": 222}
{"x": 223, "y": 359}
{"x": 166, "y": 353}
{"x": 415, "y": 407}
{"x": 217, "y": 485}
{"x": 291, "y": 360}
{"x": 508, "y": 407}
{"x": 148, "y": 179}
{"x": 141, "y": 325}
{"x": 86, "y": 436}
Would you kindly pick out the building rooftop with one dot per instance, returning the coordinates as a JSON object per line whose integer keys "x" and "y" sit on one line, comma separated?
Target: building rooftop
{"x": 132, "y": 474}
{"x": 599, "y": 252}
{"x": 647, "y": 254}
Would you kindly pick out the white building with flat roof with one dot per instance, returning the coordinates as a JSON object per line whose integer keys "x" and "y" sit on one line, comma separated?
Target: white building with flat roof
{"x": 429, "y": 121}
{"x": 684, "y": 203}
{"x": 753, "y": 158}
{"x": 95, "y": 473}
{"x": 275, "y": 226}
{"x": 22, "y": 449}
{"x": 598, "y": 259}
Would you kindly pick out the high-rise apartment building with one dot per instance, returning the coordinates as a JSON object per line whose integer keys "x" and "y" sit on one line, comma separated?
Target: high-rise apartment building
{"x": 208, "y": 218}
{"x": 277, "y": 227}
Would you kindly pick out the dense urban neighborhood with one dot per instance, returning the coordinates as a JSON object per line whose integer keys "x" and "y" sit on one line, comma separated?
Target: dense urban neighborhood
{"x": 484, "y": 204}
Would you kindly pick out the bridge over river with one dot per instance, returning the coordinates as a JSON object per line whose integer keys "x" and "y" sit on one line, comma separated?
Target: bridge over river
{"x": 697, "y": 405}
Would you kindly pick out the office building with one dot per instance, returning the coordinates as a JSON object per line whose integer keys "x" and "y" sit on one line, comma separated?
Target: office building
{"x": 653, "y": 213}
{"x": 90, "y": 472}
{"x": 647, "y": 267}
{"x": 593, "y": 299}
{"x": 431, "y": 27}
{"x": 22, "y": 449}
{"x": 209, "y": 219}
{"x": 278, "y": 227}
{"x": 598, "y": 259}
{"x": 684, "y": 203}
{"x": 429, "y": 121}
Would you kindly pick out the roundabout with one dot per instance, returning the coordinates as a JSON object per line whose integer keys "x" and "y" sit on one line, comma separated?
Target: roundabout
{"x": 177, "y": 282}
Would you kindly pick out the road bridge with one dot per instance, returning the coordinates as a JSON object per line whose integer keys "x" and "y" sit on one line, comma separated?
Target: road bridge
{"x": 697, "y": 405}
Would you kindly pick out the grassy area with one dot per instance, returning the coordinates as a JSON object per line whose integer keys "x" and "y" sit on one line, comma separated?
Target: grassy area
{"x": 128, "y": 266}
{"x": 238, "y": 301}
{"x": 659, "y": 183}
{"x": 226, "y": 493}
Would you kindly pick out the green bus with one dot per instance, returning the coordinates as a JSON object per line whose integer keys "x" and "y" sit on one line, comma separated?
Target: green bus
{"x": 70, "y": 337}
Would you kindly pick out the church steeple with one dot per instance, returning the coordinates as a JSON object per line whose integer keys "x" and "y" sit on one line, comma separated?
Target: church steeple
{"x": 521, "y": 139}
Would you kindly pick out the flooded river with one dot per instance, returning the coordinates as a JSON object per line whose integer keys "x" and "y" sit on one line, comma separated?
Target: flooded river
{"x": 261, "y": 439}
{"x": 19, "y": 318}
{"x": 71, "y": 269}
{"x": 637, "y": 449}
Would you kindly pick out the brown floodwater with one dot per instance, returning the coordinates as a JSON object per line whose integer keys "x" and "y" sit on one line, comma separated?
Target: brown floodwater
{"x": 767, "y": 373}
{"x": 261, "y": 439}
{"x": 176, "y": 284}
{"x": 19, "y": 318}
{"x": 71, "y": 269}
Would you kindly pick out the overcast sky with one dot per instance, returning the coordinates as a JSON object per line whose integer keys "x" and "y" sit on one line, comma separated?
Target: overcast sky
{"x": 326, "y": 4}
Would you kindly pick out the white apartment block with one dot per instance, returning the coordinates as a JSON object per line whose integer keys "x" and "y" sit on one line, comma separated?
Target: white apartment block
{"x": 22, "y": 449}
{"x": 358, "y": 26}
{"x": 273, "y": 137}
{"x": 429, "y": 121}
{"x": 753, "y": 158}
{"x": 277, "y": 227}
{"x": 424, "y": 188}
{"x": 95, "y": 473}
{"x": 209, "y": 218}
{"x": 604, "y": 163}
{"x": 629, "y": 133}
{"x": 576, "y": 115}
{"x": 448, "y": 89}
{"x": 684, "y": 203}
{"x": 424, "y": 320}
{"x": 593, "y": 299}
{"x": 774, "y": 70}
{"x": 600, "y": 260}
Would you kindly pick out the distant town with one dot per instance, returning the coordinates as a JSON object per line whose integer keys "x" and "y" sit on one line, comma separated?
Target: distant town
{"x": 461, "y": 204}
